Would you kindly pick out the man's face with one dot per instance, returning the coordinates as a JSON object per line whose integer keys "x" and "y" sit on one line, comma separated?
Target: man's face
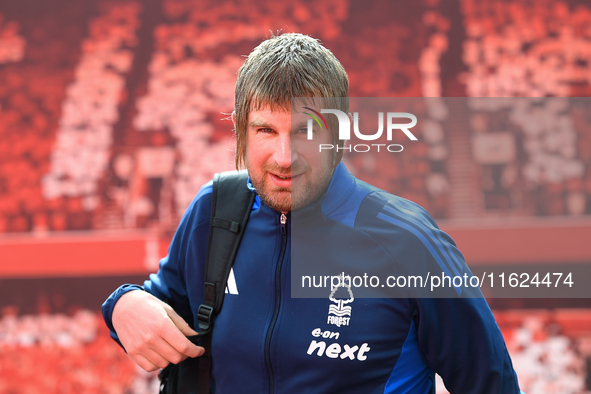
{"x": 285, "y": 167}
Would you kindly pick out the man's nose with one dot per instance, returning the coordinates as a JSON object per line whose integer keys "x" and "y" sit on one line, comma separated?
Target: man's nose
{"x": 284, "y": 155}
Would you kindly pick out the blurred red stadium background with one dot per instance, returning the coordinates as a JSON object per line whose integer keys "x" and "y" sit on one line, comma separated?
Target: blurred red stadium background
{"x": 113, "y": 114}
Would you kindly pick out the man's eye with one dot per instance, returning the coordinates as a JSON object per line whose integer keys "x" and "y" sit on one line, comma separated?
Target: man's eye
{"x": 303, "y": 131}
{"x": 265, "y": 130}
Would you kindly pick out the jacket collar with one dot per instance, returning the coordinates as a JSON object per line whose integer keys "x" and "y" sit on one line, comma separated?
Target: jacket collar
{"x": 340, "y": 189}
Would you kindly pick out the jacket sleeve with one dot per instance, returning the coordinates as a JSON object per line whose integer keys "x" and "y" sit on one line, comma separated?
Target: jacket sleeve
{"x": 461, "y": 341}
{"x": 458, "y": 336}
{"x": 185, "y": 252}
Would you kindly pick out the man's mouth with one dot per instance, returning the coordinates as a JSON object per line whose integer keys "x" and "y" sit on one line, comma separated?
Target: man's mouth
{"x": 283, "y": 180}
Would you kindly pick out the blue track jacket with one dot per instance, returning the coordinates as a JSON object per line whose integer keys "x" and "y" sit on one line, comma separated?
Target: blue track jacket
{"x": 265, "y": 341}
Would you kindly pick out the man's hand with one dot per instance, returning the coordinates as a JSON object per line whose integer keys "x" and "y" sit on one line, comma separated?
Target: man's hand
{"x": 151, "y": 331}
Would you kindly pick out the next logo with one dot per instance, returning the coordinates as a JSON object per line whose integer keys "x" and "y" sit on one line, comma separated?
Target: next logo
{"x": 335, "y": 350}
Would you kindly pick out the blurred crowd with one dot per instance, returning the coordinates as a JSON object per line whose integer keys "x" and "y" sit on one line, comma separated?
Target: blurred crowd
{"x": 115, "y": 122}
{"x": 550, "y": 350}
{"x": 83, "y": 141}
{"x": 48, "y": 353}
{"x": 533, "y": 155}
{"x": 550, "y": 353}
{"x": 12, "y": 45}
{"x": 527, "y": 48}
{"x": 531, "y": 49}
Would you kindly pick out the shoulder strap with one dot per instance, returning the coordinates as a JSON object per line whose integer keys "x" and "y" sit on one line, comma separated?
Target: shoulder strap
{"x": 231, "y": 203}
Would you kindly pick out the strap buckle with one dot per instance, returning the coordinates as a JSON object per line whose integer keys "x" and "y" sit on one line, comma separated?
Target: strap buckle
{"x": 204, "y": 316}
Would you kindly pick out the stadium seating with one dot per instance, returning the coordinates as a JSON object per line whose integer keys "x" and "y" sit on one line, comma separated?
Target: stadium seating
{"x": 60, "y": 171}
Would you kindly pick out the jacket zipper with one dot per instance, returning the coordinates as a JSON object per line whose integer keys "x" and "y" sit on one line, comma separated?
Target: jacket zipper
{"x": 283, "y": 221}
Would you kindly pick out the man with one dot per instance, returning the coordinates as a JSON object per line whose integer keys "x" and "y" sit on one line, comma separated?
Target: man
{"x": 266, "y": 341}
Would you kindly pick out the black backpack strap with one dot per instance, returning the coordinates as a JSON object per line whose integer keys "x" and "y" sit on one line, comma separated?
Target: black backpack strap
{"x": 231, "y": 203}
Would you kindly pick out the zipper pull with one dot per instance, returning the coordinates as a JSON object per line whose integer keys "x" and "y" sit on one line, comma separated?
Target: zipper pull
{"x": 283, "y": 222}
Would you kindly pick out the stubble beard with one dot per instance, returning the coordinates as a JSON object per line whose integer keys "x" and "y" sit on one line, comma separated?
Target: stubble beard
{"x": 286, "y": 199}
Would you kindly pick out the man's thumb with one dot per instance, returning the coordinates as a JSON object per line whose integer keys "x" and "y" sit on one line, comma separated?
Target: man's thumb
{"x": 181, "y": 324}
